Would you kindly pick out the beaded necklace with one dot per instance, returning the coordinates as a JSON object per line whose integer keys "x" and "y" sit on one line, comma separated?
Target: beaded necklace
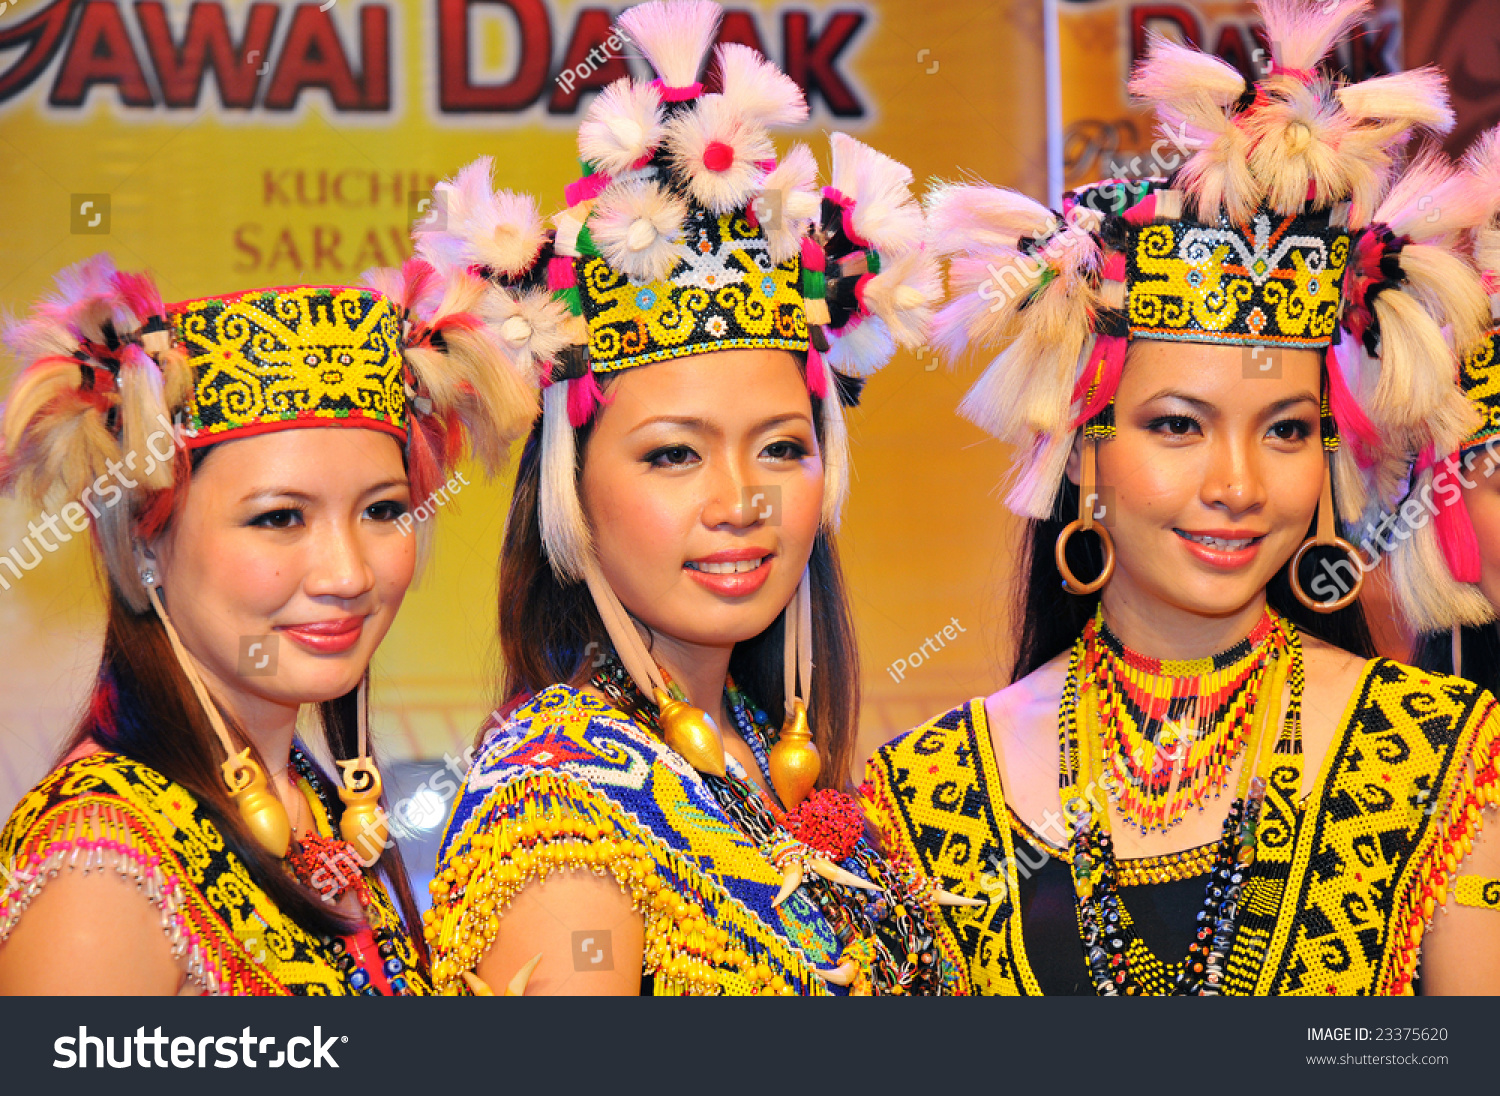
{"x": 336, "y": 856}
{"x": 1118, "y": 961}
{"x": 883, "y": 929}
{"x": 1173, "y": 728}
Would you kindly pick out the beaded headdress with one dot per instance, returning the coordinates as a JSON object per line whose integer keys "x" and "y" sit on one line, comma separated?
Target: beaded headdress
{"x": 1436, "y": 566}
{"x": 112, "y": 375}
{"x": 687, "y": 235}
{"x": 1285, "y": 226}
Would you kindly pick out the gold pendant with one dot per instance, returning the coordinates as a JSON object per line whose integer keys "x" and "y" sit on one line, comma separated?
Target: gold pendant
{"x": 794, "y": 759}
{"x": 363, "y": 824}
{"x": 263, "y": 813}
{"x": 692, "y": 733}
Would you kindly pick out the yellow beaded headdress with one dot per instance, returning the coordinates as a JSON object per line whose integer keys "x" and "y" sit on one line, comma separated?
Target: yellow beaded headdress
{"x": 687, "y": 235}
{"x": 272, "y": 359}
{"x": 112, "y": 376}
{"x": 1284, "y": 226}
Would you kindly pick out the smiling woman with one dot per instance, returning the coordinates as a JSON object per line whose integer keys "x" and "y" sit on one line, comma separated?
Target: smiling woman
{"x": 250, "y": 574}
{"x": 662, "y": 805}
{"x": 1212, "y": 371}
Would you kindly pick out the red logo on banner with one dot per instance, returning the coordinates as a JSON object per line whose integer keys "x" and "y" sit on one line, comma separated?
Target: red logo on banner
{"x": 151, "y": 55}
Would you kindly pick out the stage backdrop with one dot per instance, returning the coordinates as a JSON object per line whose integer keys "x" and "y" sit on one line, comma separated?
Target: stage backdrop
{"x": 225, "y": 145}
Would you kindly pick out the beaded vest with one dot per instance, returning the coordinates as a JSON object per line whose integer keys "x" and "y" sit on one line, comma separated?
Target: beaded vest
{"x": 105, "y": 812}
{"x": 1343, "y": 885}
{"x": 568, "y": 782}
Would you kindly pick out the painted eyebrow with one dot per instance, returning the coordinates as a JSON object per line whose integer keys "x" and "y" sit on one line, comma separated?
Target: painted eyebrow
{"x": 1204, "y": 406}
{"x": 269, "y": 493}
{"x": 707, "y": 427}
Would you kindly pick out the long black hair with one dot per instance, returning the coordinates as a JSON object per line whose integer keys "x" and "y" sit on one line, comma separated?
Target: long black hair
{"x": 551, "y": 633}
{"x": 1480, "y": 653}
{"x": 1052, "y": 618}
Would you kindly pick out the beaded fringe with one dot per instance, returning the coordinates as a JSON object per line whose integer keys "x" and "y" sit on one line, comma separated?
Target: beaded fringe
{"x": 102, "y": 835}
{"x": 699, "y": 939}
{"x": 1462, "y": 821}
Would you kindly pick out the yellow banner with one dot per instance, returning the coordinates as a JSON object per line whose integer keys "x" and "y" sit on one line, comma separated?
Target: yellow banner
{"x": 230, "y": 145}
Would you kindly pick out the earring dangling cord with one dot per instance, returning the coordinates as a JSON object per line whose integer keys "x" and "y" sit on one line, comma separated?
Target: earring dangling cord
{"x": 1456, "y": 638}
{"x": 263, "y": 812}
{"x": 363, "y": 824}
{"x": 793, "y": 760}
{"x": 688, "y": 730}
{"x": 797, "y": 649}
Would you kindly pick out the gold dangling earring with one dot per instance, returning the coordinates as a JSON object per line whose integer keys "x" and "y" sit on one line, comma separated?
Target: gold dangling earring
{"x": 1085, "y": 523}
{"x": 363, "y": 825}
{"x": 263, "y": 812}
{"x": 690, "y": 731}
{"x": 794, "y": 761}
{"x": 1326, "y": 537}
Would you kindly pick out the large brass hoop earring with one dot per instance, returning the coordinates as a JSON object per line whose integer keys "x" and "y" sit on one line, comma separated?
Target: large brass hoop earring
{"x": 1325, "y": 537}
{"x": 1085, "y": 523}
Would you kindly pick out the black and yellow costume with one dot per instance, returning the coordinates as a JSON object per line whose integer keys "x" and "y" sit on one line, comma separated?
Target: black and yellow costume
{"x": 105, "y": 812}
{"x": 1343, "y": 885}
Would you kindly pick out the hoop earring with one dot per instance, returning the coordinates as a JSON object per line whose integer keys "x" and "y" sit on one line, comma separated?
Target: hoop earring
{"x": 1326, "y": 537}
{"x": 1085, "y": 523}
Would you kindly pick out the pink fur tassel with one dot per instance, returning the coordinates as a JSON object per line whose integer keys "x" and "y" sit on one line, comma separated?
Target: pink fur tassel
{"x": 1355, "y": 428}
{"x": 817, "y": 374}
{"x": 1106, "y": 364}
{"x": 1455, "y": 533}
{"x": 584, "y": 398}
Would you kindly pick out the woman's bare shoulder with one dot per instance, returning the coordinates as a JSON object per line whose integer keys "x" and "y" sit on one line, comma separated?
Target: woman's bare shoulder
{"x": 1031, "y": 703}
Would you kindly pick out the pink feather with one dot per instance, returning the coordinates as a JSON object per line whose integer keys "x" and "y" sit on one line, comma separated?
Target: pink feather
{"x": 1455, "y": 533}
{"x": 1106, "y": 364}
{"x": 584, "y": 398}
{"x": 1355, "y": 428}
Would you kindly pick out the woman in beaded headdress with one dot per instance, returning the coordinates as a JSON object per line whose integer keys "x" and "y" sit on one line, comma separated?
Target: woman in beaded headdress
{"x": 667, "y": 781}
{"x": 1170, "y": 381}
{"x": 187, "y": 842}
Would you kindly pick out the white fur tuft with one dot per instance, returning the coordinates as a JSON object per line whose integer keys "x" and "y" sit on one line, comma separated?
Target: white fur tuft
{"x": 713, "y": 121}
{"x": 674, "y": 36}
{"x": 623, "y": 125}
{"x": 473, "y": 224}
{"x": 885, "y": 213}
{"x": 637, "y": 226}
{"x": 794, "y": 182}
{"x": 903, "y": 295}
{"x": 565, "y": 529}
{"x": 758, "y": 89}
{"x": 1301, "y": 32}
